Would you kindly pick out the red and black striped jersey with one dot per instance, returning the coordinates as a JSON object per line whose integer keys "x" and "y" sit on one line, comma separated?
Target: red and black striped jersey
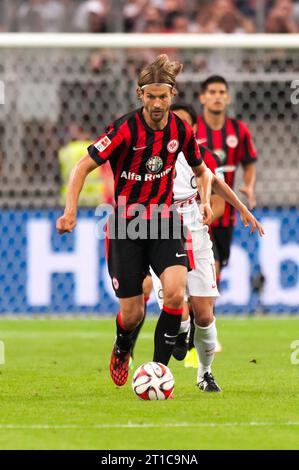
{"x": 143, "y": 159}
{"x": 233, "y": 144}
{"x": 210, "y": 158}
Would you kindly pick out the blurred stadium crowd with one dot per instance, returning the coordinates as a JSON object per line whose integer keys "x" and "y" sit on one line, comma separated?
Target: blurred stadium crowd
{"x": 150, "y": 16}
{"x": 57, "y": 101}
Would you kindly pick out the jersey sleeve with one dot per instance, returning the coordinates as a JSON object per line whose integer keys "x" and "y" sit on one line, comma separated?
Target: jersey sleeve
{"x": 190, "y": 148}
{"x": 247, "y": 152}
{"x": 108, "y": 145}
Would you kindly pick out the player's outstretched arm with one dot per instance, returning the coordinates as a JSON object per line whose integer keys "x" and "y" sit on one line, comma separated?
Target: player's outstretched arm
{"x": 223, "y": 190}
{"x": 204, "y": 179}
{"x": 249, "y": 178}
{"x": 218, "y": 206}
{"x": 67, "y": 222}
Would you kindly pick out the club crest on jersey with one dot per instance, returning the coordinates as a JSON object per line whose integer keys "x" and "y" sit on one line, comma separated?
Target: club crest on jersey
{"x": 154, "y": 164}
{"x": 115, "y": 283}
{"x": 232, "y": 141}
{"x": 172, "y": 146}
{"x": 221, "y": 155}
{"x": 102, "y": 144}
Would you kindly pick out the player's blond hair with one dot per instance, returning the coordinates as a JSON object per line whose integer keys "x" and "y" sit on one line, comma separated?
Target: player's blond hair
{"x": 161, "y": 71}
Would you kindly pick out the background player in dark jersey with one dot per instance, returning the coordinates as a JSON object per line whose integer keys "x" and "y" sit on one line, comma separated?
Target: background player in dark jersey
{"x": 142, "y": 148}
{"x": 230, "y": 139}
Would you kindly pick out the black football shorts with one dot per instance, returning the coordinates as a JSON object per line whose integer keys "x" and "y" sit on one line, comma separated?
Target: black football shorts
{"x": 222, "y": 239}
{"x": 129, "y": 260}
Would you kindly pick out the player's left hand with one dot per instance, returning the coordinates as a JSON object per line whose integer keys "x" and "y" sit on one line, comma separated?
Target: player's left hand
{"x": 249, "y": 193}
{"x": 207, "y": 213}
{"x": 249, "y": 220}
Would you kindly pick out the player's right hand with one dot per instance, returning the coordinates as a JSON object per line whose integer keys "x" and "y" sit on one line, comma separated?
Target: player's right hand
{"x": 207, "y": 213}
{"x": 66, "y": 223}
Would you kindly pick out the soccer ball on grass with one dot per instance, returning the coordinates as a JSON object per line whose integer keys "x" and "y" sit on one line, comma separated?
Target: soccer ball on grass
{"x": 153, "y": 381}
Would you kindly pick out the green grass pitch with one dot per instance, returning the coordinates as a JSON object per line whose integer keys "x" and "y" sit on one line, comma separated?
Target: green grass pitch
{"x": 56, "y": 393}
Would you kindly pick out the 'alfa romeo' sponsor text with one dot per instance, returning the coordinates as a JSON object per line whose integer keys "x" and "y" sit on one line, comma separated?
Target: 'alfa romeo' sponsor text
{"x": 128, "y": 175}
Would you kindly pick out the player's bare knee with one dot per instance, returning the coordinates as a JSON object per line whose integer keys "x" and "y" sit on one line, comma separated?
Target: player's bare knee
{"x": 174, "y": 298}
{"x": 204, "y": 322}
{"x": 204, "y": 318}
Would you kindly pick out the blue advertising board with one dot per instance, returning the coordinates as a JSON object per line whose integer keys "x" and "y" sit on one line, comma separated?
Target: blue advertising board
{"x": 43, "y": 272}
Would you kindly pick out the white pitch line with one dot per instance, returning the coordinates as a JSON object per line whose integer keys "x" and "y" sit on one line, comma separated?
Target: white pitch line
{"x": 145, "y": 425}
{"x": 67, "y": 334}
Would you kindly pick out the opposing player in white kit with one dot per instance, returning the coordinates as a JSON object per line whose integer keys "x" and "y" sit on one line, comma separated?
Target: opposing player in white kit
{"x": 202, "y": 285}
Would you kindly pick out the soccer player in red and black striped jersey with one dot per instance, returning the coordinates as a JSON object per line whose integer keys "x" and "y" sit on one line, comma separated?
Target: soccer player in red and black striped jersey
{"x": 230, "y": 139}
{"x": 142, "y": 148}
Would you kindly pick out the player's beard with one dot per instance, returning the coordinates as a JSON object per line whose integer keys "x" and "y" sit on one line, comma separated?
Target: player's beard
{"x": 161, "y": 113}
{"x": 217, "y": 112}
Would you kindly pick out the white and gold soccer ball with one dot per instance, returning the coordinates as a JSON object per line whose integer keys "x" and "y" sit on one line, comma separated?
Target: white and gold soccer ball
{"x": 153, "y": 381}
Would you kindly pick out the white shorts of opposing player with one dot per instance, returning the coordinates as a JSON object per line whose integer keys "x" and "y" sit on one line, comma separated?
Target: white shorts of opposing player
{"x": 201, "y": 283}
{"x": 202, "y": 279}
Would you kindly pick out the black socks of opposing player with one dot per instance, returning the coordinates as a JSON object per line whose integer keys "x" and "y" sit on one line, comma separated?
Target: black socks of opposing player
{"x": 166, "y": 333}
